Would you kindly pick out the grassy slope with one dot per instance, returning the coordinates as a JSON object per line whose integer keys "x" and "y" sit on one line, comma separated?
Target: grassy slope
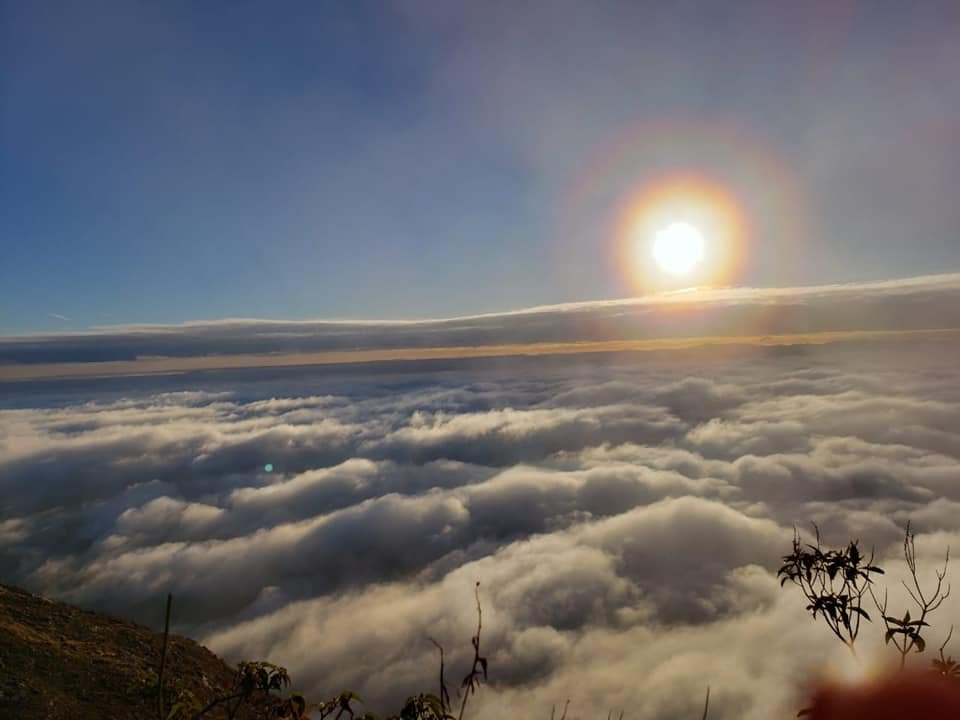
{"x": 57, "y": 661}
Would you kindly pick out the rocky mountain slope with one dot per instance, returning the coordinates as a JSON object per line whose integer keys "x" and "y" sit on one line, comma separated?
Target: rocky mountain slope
{"x": 57, "y": 661}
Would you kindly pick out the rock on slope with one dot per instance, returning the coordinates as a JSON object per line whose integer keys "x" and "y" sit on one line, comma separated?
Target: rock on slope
{"x": 57, "y": 661}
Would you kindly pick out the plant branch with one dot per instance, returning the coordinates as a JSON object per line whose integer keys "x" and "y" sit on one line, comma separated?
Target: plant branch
{"x": 163, "y": 657}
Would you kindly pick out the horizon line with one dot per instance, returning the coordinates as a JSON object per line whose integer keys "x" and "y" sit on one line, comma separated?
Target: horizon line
{"x": 683, "y": 295}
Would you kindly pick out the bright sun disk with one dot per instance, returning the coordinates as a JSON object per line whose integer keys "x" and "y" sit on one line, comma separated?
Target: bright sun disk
{"x": 678, "y": 248}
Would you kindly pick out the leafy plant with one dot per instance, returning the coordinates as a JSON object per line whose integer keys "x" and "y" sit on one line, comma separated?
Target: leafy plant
{"x": 424, "y": 706}
{"x": 252, "y": 689}
{"x": 834, "y": 582}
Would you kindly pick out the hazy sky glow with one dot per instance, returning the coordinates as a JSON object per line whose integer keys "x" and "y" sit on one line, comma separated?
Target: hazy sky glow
{"x": 171, "y": 162}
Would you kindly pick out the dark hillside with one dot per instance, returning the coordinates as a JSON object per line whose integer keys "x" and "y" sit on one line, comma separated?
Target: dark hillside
{"x": 57, "y": 661}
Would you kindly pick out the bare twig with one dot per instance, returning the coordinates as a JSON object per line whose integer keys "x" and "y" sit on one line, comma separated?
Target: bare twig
{"x": 947, "y": 666}
{"x": 444, "y": 692}
{"x": 216, "y": 702}
{"x": 706, "y": 704}
{"x": 232, "y": 713}
{"x": 947, "y": 641}
{"x": 906, "y": 633}
{"x": 479, "y": 667}
{"x": 163, "y": 656}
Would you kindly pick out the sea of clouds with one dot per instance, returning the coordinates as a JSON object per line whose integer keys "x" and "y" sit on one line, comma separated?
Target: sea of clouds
{"x": 624, "y": 514}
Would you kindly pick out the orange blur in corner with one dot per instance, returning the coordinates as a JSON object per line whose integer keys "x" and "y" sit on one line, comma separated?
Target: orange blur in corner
{"x": 903, "y": 696}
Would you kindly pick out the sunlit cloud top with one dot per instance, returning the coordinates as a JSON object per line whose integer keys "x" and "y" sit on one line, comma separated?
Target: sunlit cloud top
{"x": 925, "y": 303}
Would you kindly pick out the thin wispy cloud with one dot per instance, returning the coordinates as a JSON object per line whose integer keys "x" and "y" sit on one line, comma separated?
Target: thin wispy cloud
{"x": 910, "y": 305}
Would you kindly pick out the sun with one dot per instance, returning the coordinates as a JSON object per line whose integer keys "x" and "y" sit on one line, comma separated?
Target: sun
{"x": 681, "y": 230}
{"x": 678, "y": 248}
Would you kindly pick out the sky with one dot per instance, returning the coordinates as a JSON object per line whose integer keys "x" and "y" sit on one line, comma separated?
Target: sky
{"x": 162, "y": 163}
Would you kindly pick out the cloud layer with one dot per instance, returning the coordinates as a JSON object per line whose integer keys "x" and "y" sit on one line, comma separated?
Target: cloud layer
{"x": 925, "y": 303}
{"x": 624, "y": 519}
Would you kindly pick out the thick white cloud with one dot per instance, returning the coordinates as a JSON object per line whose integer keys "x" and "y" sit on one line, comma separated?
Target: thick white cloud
{"x": 624, "y": 519}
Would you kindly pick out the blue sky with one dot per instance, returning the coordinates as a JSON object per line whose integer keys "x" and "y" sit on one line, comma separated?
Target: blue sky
{"x": 162, "y": 162}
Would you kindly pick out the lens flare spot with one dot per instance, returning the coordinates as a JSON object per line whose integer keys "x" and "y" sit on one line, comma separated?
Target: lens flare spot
{"x": 268, "y": 468}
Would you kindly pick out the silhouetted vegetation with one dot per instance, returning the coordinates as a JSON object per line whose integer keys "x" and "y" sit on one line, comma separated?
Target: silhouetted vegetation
{"x": 835, "y": 582}
{"x": 904, "y": 633}
{"x": 255, "y": 692}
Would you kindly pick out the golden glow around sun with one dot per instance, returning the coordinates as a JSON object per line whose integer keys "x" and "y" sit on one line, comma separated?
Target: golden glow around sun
{"x": 681, "y": 230}
{"x": 678, "y": 248}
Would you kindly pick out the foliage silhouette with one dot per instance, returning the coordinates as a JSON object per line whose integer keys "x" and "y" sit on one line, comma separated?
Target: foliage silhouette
{"x": 834, "y": 582}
